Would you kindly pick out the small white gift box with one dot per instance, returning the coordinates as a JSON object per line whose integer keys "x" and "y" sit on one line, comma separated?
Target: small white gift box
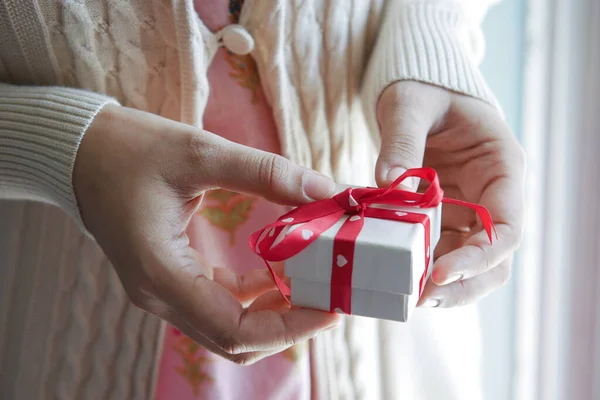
{"x": 364, "y": 251}
{"x": 389, "y": 262}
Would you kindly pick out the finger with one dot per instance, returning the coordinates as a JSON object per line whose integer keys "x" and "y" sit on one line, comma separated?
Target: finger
{"x": 247, "y": 287}
{"x": 405, "y": 116}
{"x": 475, "y": 257}
{"x": 503, "y": 198}
{"x": 466, "y": 291}
{"x": 214, "y": 311}
{"x": 450, "y": 240}
{"x": 243, "y": 169}
{"x": 240, "y": 359}
{"x": 273, "y": 299}
{"x": 270, "y": 301}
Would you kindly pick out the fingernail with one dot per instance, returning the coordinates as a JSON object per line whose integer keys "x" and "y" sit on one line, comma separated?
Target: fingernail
{"x": 317, "y": 186}
{"x": 452, "y": 278}
{"x": 394, "y": 173}
{"x": 331, "y": 328}
{"x": 409, "y": 183}
{"x": 431, "y": 303}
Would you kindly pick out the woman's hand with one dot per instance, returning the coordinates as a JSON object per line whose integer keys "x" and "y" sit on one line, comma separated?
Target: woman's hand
{"x": 139, "y": 179}
{"x": 478, "y": 160}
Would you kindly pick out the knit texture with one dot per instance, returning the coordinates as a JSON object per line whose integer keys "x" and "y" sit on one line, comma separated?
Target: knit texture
{"x": 311, "y": 55}
{"x": 67, "y": 328}
{"x": 426, "y": 42}
{"x": 40, "y": 131}
{"x": 126, "y": 50}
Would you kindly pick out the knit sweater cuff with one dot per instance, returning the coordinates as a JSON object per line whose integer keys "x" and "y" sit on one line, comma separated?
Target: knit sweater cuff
{"x": 426, "y": 43}
{"x": 40, "y": 132}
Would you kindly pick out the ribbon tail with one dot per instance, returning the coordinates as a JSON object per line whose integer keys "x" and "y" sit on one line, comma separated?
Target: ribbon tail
{"x": 281, "y": 286}
{"x": 257, "y": 239}
{"x": 482, "y": 212}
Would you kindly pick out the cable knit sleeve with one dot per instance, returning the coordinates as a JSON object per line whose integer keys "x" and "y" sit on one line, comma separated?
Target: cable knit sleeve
{"x": 433, "y": 41}
{"x": 40, "y": 132}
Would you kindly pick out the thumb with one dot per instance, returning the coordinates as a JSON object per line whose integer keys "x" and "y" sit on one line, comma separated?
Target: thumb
{"x": 244, "y": 169}
{"x": 405, "y": 121}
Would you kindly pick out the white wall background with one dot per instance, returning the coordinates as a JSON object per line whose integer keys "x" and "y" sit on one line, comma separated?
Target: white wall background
{"x": 503, "y": 69}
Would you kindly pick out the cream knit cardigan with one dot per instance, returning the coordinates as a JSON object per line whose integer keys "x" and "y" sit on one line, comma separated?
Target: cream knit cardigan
{"x": 66, "y": 327}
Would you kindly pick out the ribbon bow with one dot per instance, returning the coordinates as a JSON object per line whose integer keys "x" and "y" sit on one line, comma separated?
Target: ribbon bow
{"x": 357, "y": 203}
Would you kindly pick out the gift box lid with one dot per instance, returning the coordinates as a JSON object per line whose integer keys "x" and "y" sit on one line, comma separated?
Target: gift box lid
{"x": 389, "y": 255}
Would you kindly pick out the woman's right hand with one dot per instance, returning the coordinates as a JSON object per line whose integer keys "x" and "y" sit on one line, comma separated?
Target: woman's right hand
{"x": 139, "y": 178}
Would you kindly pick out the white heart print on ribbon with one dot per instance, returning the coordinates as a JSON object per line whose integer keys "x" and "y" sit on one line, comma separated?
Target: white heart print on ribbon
{"x": 354, "y": 218}
{"x": 352, "y": 201}
{"x": 306, "y": 234}
{"x": 287, "y": 220}
{"x": 340, "y": 260}
{"x": 401, "y": 213}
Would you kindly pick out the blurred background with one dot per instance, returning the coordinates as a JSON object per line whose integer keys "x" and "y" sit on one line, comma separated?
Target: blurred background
{"x": 541, "y": 332}
{"x": 503, "y": 68}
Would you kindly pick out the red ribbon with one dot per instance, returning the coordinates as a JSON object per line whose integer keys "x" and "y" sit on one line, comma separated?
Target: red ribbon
{"x": 319, "y": 216}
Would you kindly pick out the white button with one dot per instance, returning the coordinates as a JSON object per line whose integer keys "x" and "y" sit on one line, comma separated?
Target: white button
{"x": 237, "y": 39}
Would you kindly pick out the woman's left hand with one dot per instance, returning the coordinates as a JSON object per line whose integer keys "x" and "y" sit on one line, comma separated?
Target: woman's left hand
{"x": 478, "y": 160}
